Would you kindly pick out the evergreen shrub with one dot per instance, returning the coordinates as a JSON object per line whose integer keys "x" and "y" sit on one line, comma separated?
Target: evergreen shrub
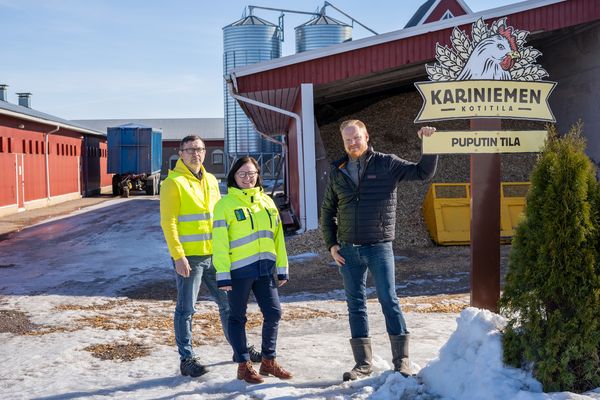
{"x": 551, "y": 297}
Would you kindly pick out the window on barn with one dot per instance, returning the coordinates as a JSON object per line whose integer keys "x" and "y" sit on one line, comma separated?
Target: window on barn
{"x": 217, "y": 157}
{"x": 24, "y": 146}
{"x": 1, "y": 144}
{"x": 173, "y": 161}
{"x": 42, "y": 147}
{"x": 9, "y": 145}
{"x": 30, "y": 147}
{"x": 447, "y": 15}
{"x": 37, "y": 147}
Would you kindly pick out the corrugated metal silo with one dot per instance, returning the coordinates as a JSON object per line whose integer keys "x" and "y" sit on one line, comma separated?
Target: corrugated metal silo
{"x": 247, "y": 41}
{"x": 321, "y": 31}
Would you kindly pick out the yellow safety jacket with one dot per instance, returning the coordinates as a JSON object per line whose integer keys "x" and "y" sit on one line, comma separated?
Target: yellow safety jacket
{"x": 186, "y": 205}
{"x": 248, "y": 237}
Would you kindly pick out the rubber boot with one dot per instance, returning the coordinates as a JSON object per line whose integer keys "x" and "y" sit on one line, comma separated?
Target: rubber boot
{"x": 363, "y": 356}
{"x": 400, "y": 354}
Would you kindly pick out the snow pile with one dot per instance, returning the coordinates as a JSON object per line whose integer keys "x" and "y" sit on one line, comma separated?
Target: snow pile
{"x": 470, "y": 364}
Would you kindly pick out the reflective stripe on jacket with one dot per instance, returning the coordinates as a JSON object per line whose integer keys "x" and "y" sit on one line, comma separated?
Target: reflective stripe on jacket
{"x": 186, "y": 205}
{"x": 247, "y": 236}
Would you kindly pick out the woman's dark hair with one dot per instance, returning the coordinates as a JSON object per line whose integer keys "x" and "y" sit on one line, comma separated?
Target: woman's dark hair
{"x": 237, "y": 165}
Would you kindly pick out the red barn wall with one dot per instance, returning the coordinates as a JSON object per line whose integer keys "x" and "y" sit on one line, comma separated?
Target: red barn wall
{"x": 23, "y": 164}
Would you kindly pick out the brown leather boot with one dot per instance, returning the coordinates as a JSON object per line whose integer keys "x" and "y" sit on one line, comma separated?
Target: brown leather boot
{"x": 271, "y": 367}
{"x": 246, "y": 372}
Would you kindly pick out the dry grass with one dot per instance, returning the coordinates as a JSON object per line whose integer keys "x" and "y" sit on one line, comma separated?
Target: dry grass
{"x": 453, "y": 303}
{"x": 109, "y": 305}
{"x": 118, "y": 351}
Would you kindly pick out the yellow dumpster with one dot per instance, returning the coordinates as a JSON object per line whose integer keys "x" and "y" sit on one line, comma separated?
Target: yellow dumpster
{"x": 447, "y": 211}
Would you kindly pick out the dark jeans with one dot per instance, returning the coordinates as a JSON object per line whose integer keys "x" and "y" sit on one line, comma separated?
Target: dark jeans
{"x": 187, "y": 294}
{"x": 267, "y": 297}
{"x": 379, "y": 259}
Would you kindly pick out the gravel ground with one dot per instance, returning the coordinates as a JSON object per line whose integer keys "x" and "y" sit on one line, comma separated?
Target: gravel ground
{"x": 430, "y": 270}
{"x": 16, "y": 322}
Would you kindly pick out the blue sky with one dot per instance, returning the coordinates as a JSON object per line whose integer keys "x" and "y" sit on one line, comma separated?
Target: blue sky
{"x": 93, "y": 59}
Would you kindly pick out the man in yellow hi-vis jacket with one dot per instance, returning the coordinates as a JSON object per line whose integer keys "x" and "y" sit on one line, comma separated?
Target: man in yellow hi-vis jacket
{"x": 187, "y": 199}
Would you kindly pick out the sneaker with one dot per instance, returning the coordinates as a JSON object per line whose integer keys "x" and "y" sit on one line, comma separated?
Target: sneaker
{"x": 255, "y": 355}
{"x": 192, "y": 367}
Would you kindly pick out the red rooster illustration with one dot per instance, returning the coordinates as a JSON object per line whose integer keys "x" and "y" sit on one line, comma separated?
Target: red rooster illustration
{"x": 492, "y": 58}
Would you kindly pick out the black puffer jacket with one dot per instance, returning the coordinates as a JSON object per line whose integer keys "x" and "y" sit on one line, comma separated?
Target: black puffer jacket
{"x": 366, "y": 213}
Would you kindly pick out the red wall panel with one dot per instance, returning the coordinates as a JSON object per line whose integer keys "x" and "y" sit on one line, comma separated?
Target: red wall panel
{"x": 35, "y": 176}
{"x": 64, "y": 164}
{"x": 105, "y": 177}
{"x": 8, "y": 177}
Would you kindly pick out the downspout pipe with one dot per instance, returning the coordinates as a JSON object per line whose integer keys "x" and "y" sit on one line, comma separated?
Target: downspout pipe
{"x": 232, "y": 87}
{"x": 46, "y": 140}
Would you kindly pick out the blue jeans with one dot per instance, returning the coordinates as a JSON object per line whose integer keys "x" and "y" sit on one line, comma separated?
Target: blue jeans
{"x": 267, "y": 297}
{"x": 379, "y": 259}
{"x": 187, "y": 294}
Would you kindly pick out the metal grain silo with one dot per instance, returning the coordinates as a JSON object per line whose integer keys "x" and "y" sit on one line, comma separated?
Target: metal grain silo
{"x": 321, "y": 31}
{"x": 247, "y": 41}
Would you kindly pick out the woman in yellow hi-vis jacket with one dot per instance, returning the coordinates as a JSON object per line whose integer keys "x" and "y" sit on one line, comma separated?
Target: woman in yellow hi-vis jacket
{"x": 248, "y": 249}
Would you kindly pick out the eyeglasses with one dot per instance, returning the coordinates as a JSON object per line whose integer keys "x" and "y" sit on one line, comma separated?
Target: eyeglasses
{"x": 193, "y": 150}
{"x": 249, "y": 174}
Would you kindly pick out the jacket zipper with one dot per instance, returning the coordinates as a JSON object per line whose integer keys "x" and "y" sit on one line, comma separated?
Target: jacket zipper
{"x": 360, "y": 176}
{"x": 251, "y": 219}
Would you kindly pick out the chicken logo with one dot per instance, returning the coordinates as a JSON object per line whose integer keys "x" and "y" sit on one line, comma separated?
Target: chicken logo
{"x": 493, "y": 53}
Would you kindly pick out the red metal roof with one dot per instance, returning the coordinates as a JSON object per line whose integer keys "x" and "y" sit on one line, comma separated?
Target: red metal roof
{"x": 266, "y": 121}
{"x": 405, "y": 47}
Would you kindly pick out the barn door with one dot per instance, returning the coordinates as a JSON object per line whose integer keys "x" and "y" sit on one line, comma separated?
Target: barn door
{"x": 20, "y": 180}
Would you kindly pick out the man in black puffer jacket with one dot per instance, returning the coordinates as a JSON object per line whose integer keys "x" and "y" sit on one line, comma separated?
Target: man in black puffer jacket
{"x": 358, "y": 219}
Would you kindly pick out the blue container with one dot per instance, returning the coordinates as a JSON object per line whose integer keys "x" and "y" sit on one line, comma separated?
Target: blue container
{"x": 134, "y": 149}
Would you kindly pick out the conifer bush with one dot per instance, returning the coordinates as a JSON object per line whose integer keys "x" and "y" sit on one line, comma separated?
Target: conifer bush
{"x": 551, "y": 297}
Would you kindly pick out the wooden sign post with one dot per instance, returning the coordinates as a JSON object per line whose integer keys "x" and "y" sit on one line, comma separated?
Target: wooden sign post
{"x": 485, "y": 78}
{"x": 485, "y": 223}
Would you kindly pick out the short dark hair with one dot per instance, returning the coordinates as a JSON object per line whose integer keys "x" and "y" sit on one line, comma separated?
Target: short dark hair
{"x": 237, "y": 165}
{"x": 189, "y": 138}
